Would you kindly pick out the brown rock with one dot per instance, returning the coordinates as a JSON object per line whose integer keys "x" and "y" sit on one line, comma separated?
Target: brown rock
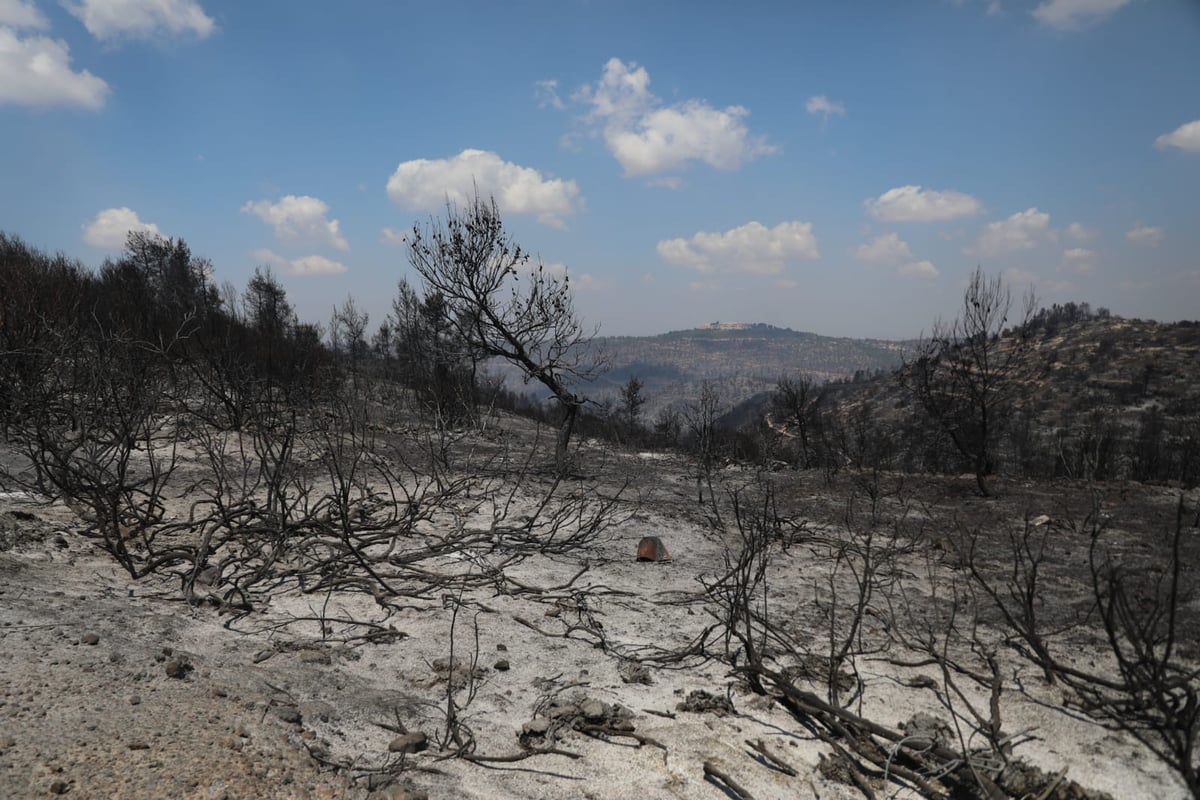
{"x": 502, "y": 665}
{"x": 59, "y": 787}
{"x": 409, "y": 743}
{"x": 90, "y": 638}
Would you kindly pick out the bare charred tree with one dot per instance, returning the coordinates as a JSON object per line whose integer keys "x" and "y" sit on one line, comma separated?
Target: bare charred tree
{"x": 965, "y": 375}
{"x": 506, "y": 307}
{"x": 794, "y": 401}
{"x": 1144, "y": 685}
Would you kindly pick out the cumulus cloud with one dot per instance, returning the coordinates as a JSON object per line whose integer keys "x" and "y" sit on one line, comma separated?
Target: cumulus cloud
{"x": 36, "y": 71}
{"x": 752, "y": 248}
{"x": 1079, "y": 260}
{"x": 1080, "y": 232}
{"x": 820, "y": 104}
{"x": 302, "y": 267}
{"x": 112, "y": 226}
{"x": 1021, "y": 231}
{"x": 886, "y": 249}
{"x": 1147, "y": 235}
{"x": 918, "y": 269}
{"x": 112, "y": 20}
{"x": 647, "y": 137}
{"x": 427, "y": 184}
{"x": 1069, "y": 15}
{"x": 299, "y": 219}
{"x": 22, "y": 14}
{"x": 1186, "y": 137}
{"x": 915, "y": 204}
{"x": 547, "y": 94}
{"x": 889, "y": 250}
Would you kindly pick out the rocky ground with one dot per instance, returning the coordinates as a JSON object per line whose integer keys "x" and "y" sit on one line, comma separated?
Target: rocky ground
{"x": 113, "y": 688}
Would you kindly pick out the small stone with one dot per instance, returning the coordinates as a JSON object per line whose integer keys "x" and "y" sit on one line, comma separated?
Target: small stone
{"x": 138, "y": 746}
{"x": 308, "y": 735}
{"x": 408, "y": 743}
{"x": 287, "y": 714}
{"x": 60, "y": 542}
{"x": 593, "y": 709}
{"x": 7, "y": 742}
{"x": 90, "y": 639}
{"x": 536, "y": 726}
{"x": 263, "y": 655}
{"x": 177, "y": 668}
{"x": 59, "y": 787}
{"x": 242, "y": 732}
{"x": 135, "y": 700}
{"x": 503, "y": 648}
{"x": 217, "y": 691}
{"x": 317, "y": 709}
{"x": 502, "y": 665}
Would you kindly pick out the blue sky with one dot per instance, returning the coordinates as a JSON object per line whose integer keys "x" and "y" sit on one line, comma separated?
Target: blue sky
{"x": 833, "y": 167}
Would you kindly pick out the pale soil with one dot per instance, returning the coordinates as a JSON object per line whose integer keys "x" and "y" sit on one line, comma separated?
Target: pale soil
{"x": 105, "y": 720}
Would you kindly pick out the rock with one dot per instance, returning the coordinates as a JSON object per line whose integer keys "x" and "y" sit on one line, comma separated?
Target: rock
{"x": 633, "y": 672}
{"x": 502, "y": 665}
{"x": 7, "y": 742}
{"x": 317, "y": 709}
{"x": 59, "y": 787}
{"x": 135, "y": 700}
{"x": 287, "y": 713}
{"x": 138, "y": 746}
{"x": 60, "y": 542}
{"x": 651, "y": 548}
{"x": 242, "y": 732}
{"x": 502, "y": 648}
{"x": 177, "y": 668}
{"x": 90, "y": 638}
{"x": 408, "y": 743}
{"x": 700, "y": 701}
{"x": 536, "y": 726}
{"x": 593, "y": 709}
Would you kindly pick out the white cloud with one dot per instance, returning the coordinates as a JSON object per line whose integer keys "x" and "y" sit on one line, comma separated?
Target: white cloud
{"x": 1080, "y": 232}
{"x": 305, "y": 266}
{"x": 547, "y": 94}
{"x": 1079, "y": 260}
{"x": 112, "y": 226}
{"x": 820, "y": 104}
{"x": 886, "y": 249}
{"x": 1186, "y": 137}
{"x": 647, "y": 137}
{"x": 110, "y": 20}
{"x": 1069, "y": 15}
{"x": 889, "y": 250}
{"x": 390, "y": 235}
{"x": 36, "y": 71}
{"x": 299, "y": 219}
{"x": 914, "y": 204}
{"x": 427, "y": 184}
{"x": 1146, "y": 235}
{"x": 752, "y": 248}
{"x": 918, "y": 269}
{"x": 1021, "y": 231}
{"x": 22, "y": 14}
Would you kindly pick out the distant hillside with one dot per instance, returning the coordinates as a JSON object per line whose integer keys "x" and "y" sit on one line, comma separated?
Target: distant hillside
{"x": 740, "y": 359}
{"x": 1106, "y": 397}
